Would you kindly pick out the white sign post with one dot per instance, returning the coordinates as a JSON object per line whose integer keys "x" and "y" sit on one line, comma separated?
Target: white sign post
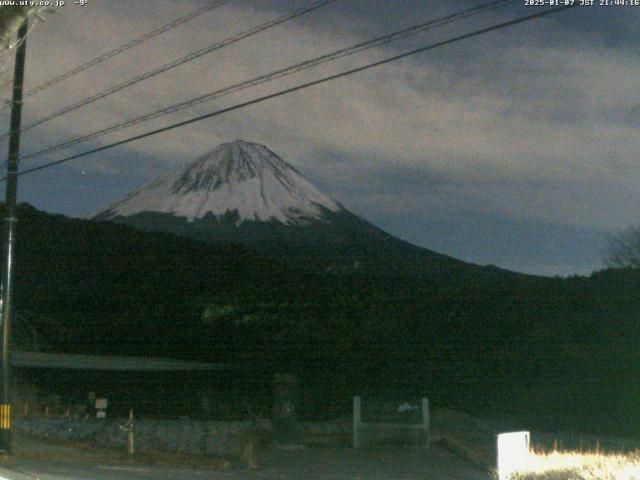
{"x": 513, "y": 449}
{"x": 101, "y": 407}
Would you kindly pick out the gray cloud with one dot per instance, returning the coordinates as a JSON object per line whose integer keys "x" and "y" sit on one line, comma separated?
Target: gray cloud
{"x": 537, "y": 123}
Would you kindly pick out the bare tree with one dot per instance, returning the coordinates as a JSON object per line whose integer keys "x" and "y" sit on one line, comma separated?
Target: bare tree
{"x": 623, "y": 249}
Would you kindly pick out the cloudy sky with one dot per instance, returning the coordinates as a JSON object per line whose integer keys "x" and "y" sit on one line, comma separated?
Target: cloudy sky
{"x": 518, "y": 148}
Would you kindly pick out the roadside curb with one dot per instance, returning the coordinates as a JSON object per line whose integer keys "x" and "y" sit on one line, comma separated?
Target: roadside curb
{"x": 464, "y": 453}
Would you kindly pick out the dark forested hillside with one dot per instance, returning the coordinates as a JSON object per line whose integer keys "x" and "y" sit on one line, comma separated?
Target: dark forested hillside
{"x": 544, "y": 347}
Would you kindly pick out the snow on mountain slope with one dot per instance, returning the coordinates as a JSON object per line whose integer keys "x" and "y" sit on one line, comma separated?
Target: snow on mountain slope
{"x": 244, "y": 194}
{"x": 242, "y": 177}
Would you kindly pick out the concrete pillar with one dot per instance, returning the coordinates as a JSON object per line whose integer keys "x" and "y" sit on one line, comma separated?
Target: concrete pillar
{"x": 285, "y": 398}
{"x": 426, "y": 419}
{"x": 357, "y": 421}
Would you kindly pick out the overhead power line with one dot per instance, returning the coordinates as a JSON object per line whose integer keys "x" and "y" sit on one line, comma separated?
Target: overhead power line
{"x": 181, "y": 61}
{"x": 280, "y": 73}
{"x": 126, "y": 46}
{"x": 297, "y": 88}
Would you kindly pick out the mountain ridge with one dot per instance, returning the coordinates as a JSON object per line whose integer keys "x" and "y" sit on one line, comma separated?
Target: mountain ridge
{"x": 243, "y": 193}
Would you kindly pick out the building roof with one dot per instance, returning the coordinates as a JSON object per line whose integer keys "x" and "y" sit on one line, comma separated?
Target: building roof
{"x": 22, "y": 359}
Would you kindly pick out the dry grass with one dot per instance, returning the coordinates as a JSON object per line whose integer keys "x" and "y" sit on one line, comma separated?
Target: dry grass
{"x": 580, "y": 466}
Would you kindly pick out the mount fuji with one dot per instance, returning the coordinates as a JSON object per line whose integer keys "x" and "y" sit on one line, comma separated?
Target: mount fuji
{"x": 240, "y": 177}
{"x": 243, "y": 193}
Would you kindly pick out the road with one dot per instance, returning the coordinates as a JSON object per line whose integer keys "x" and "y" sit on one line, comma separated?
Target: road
{"x": 434, "y": 463}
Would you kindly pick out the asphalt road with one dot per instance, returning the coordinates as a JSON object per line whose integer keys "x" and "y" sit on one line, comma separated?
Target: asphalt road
{"x": 434, "y": 463}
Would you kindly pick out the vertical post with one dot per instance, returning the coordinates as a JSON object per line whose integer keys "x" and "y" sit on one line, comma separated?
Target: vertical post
{"x": 130, "y": 447}
{"x": 284, "y": 410}
{"x": 357, "y": 420}
{"x": 9, "y": 237}
{"x": 426, "y": 425}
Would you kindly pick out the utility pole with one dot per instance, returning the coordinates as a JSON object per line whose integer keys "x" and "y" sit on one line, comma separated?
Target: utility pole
{"x": 9, "y": 237}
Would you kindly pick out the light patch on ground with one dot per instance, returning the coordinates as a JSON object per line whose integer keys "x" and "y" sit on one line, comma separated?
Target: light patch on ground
{"x": 580, "y": 466}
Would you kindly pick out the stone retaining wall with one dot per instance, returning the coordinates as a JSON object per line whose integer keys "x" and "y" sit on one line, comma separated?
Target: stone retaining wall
{"x": 180, "y": 435}
{"x": 185, "y": 436}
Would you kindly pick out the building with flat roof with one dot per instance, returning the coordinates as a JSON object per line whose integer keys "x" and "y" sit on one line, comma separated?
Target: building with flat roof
{"x": 61, "y": 383}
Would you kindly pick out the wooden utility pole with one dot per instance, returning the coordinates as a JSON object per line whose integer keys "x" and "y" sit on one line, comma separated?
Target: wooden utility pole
{"x": 11, "y": 196}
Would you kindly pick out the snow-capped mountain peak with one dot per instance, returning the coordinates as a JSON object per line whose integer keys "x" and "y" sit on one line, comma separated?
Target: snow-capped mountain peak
{"x": 242, "y": 177}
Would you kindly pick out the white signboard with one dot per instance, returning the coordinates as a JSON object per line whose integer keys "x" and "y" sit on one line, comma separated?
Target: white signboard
{"x": 101, "y": 403}
{"x": 513, "y": 449}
